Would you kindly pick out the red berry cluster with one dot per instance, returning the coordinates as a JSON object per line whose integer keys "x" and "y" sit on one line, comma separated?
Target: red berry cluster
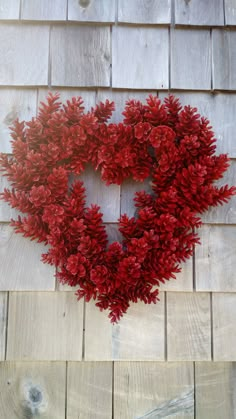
{"x": 172, "y": 145}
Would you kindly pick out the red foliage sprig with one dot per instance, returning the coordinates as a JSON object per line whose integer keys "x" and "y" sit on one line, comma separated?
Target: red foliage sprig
{"x": 172, "y": 145}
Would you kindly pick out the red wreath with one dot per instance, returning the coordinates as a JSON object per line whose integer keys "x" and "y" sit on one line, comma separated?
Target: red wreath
{"x": 172, "y": 145}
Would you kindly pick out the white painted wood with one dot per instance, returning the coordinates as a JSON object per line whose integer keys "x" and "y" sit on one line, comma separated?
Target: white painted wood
{"x": 21, "y": 267}
{"x": 92, "y": 10}
{"x": 220, "y": 109}
{"x": 89, "y": 390}
{"x": 52, "y": 326}
{"x": 143, "y": 11}
{"x": 153, "y": 390}
{"x": 91, "y": 44}
{"x": 24, "y": 54}
{"x": 14, "y": 104}
{"x": 224, "y": 323}
{"x": 188, "y": 326}
{"x": 215, "y": 259}
{"x": 199, "y": 12}
{"x": 224, "y": 59}
{"x": 134, "y": 54}
{"x": 88, "y": 96}
{"x": 190, "y": 59}
{"x": 9, "y": 9}
{"x": 215, "y": 390}
{"x": 43, "y": 10}
{"x": 3, "y": 323}
{"x": 32, "y": 389}
{"x": 119, "y": 97}
{"x": 138, "y": 336}
{"x": 230, "y": 12}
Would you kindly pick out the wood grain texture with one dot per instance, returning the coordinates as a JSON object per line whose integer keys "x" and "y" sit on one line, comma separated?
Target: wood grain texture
{"x": 43, "y": 10}
{"x": 230, "y": 12}
{"x": 188, "y": 326}
{"x": 10, "y": 9}
{"x": 224, "y": 323}
{"x": 133, "y": 51}
{"x": 120, "y": 97}
{"x": 220, "y": 109}
{"x": 18, "y": 41}
{"x": 32, "y": 389}
{"x": 21, "y": 267}
{"x": 53, "y": 326}
{"x": 190, "y": 59}
{"x": 215, "y": 259}
{"x": 6, "y": 212}
{"x": 215, "y": 384}
{"x": 143, "y": 11}
{"x": 199, "y": 12}
{"x": 138, "y": 336}
{"x": 183, "y": 281}
{"x": 153, "y": 390}
{"x": 92, "y": 10}
{"x": 224, "y": 59}
{"x": 91, "y": 44}
{"x": 14, "y": 104}
{"x": 88, "y": 96}
{"x": 89, "y": 390}
{"x": 3, "y": 323}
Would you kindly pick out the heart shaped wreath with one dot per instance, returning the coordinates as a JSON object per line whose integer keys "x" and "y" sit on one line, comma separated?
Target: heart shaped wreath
{"x": 172, "y": 145}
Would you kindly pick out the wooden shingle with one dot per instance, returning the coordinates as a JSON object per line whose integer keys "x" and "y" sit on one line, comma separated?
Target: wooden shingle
{"x": 10, "y": 9}
{"x": 89, "y": 390}
{"x": 190, "y": 59}
{"x": 140, "y": 58}
{"x": 92, "y": 10}
{"x": 142, "y": 11}
{"x": 43, "y": 10}
{"x": 215, "y": 390}
{"x": 153, "y": 390}
{"x": 188, "y": 326}
{"x": 230, "y": 12}
{"x": 3, "y": 324}
{"x": 6, "y": 212}
{"x": 80, "y": 56}
{"x": 183, "y": 281}
{"x": 138, "y": 336}
{"x": 224, "y": 324}
{"x": 53, "y": 326}
{"x": 199, "y": 12}
{"x": 224, "y": 59}
{"x": 21, "y": 267}
{"x": 24, "y": 54}
{"x": 32, "y": 389}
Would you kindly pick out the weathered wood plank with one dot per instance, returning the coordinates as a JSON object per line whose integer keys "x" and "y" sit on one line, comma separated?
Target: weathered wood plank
{"x": 215, "y": 390}
{"x": 142, "y": 11}
{"x": 21, "y": 267}
{"x": 89, "y": 390}
{"x": 16, "y": 42}
{"x": 43, "y": 10}
{"x": 88, "y": 96}
{"x": 138, "y": 336}
{"x": 183, "y": 281}
{"x": 10, "y": 9}
{"x": 30, "y": 390}
{"x": 188, "y": 326}
{"x": 230, "y": 12}
{"x": 3, "y": 324}
{"x": 190, "y": 59}
{"x": 6, "y": 212}
{"x": 153, "y": 390}
{"x": 120, "y": 98}
{"x": 14, "y": 104}
{"x": 91, "y": 10}
{"x": 203, "y": 12}
{"x": 52, "y": 326}
{"x": 131, "y": 60}
{"x": 128, "y": 189}
{"x": 220, "y": 109}
{"x": 224, "y": 59}
{"x": 224, "y": 323}
{"x": 91, "y": 44}
{"x": 215, "y": 259}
